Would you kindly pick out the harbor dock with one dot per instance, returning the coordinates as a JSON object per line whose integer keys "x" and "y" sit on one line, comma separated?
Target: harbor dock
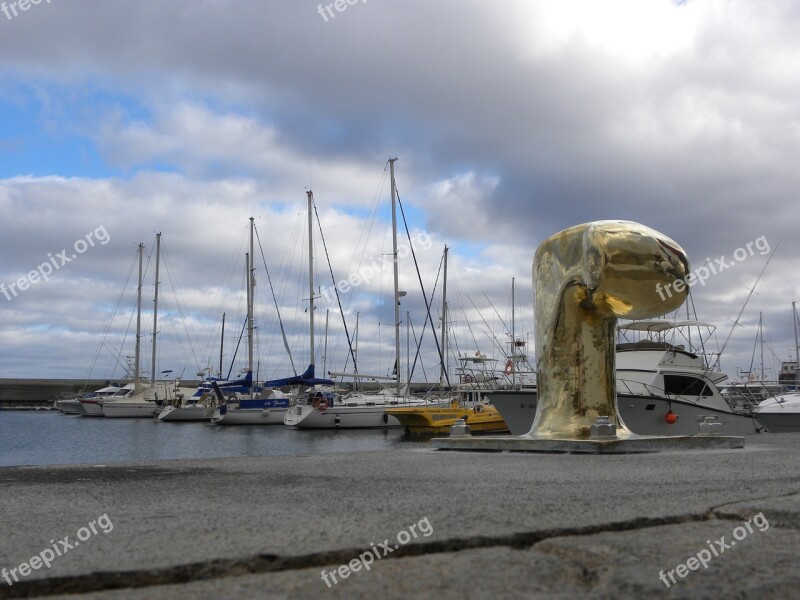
{"x": 435, "y": 523}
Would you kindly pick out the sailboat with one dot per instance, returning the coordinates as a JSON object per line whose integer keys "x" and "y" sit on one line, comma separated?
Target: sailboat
{"x": 145, "y": 401}
{"x": 243, "y": 408}
{"x": 357, "y": 410}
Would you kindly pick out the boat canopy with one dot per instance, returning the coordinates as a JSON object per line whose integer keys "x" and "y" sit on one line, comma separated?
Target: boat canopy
{"x": 660, "y": 325}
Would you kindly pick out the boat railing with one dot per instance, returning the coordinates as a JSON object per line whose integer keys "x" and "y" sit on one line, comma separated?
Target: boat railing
{"x": 753, "y": 392}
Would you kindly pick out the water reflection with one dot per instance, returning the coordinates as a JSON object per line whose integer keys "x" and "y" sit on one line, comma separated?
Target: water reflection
{"x": 46, "y": 438}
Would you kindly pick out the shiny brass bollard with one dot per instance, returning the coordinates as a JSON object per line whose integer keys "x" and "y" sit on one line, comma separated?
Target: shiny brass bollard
{"x": 586, "y": 277}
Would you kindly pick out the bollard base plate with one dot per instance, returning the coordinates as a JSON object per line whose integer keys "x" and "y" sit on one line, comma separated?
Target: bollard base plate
{"x": 630, "y": 445}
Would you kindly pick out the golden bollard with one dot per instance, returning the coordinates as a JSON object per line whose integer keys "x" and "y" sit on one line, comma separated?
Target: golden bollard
{"x": 584, "y": 278}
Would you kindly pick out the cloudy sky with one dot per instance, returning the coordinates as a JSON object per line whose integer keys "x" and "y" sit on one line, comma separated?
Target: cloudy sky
{"x": 511, "y": 120}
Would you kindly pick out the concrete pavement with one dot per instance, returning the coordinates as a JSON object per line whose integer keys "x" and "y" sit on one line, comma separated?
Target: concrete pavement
{"x": 498, "y": 524}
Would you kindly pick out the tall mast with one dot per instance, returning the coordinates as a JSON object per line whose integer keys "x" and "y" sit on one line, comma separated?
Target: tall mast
{"x": 513, "y": 335}
{"x": 310, "y": 195}
{"x": 796, "y": 347}
{"x": 408, "y": 344}
{"x": 443, "y": 372}
{"x": 250, "y": 302}
{"x": 221, "y": 345}
{"x": 325, "y": 350}
{"x": 355, "y": 355}
{"x": 761, "y": 335}
{"x": 155, "y": 310}
{"x": 396, "y": 276}
{"x": 137, "y": 354}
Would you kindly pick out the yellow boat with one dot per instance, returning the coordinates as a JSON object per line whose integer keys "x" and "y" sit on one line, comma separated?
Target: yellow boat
{"x": 481, "y": 418}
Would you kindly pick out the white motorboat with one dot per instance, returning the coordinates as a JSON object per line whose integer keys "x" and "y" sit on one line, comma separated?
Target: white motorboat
{"x": 91, "y": 405}
{"x": 662, "y": 388}
{"x": 780, "y": 414}
{"x": 147, "y": 403}
{"x": 665, "y": 389}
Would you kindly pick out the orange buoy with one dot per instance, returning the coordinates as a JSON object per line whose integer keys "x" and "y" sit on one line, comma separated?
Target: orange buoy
{"x": 670, "y": 418}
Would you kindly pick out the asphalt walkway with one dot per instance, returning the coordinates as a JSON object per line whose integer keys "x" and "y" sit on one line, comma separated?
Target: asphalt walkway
{"x": 414, "y": 523}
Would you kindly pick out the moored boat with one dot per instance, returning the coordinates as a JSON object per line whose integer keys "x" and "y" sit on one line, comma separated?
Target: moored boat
{"x": 481, "y": 417}
{"x": 663, "y": 389}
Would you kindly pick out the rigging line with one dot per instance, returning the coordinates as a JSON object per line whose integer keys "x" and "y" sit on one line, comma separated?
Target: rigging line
{"x": 495, "y": 342}
{"x": 422, "y": 287}
{"x": 506, "y": 327}
{"x": 750, "y": 295}
{"x": 275, "y": 300}
{"x": 236, "y": 350}
{"x": 179, "y": 303}
{"x": 335, "y": 287}
{"x": 460, "y": 295}
{"x": 108, "y": 325}
{"x": 417, "y": 343}
{"x": 424, "y": 325}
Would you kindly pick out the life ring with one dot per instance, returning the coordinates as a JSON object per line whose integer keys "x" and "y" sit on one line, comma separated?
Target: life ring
{"x": 323, "y": 405}
{"x": 316, "y": 403}
{"x": 231, "y": 398}
{"x": 467, "y": 378}
{"x": 509, "y": 367}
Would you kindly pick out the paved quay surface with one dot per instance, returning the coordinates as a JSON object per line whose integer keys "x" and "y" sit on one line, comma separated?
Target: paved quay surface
{"x": 488, "y": 525}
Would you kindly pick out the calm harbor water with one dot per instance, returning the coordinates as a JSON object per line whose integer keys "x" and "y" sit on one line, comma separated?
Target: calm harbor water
{"x": 49, "y": 438}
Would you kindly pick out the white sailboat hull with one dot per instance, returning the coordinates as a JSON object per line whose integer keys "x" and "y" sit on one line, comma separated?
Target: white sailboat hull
{"x": 341, "y": 417}
{"x": 174, "y": 414}
{"x": 91, "y": 408}
{"x": 120, "y": 409}
{"x": 250, "y": 416}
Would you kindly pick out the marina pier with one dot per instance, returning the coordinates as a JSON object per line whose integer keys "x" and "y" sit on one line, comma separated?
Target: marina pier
{"x": 502, "y": 525}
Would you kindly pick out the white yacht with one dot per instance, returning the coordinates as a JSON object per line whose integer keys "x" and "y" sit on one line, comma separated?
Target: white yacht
{"x": 663, "y": 389}
{"x": 780, "y": 414}
{"x": 147, "y": 403}
{"x": 91, "y": 405}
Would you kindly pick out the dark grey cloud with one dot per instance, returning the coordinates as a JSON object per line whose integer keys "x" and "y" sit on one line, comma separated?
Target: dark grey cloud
{"x": 512, "y": 120}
